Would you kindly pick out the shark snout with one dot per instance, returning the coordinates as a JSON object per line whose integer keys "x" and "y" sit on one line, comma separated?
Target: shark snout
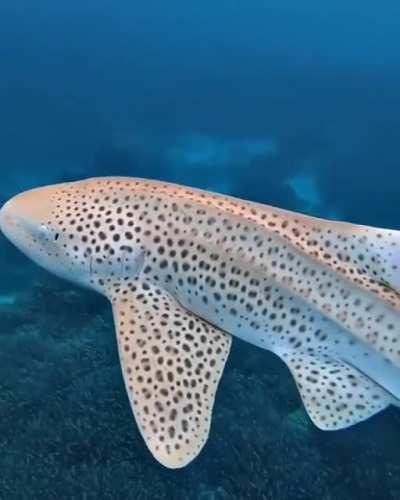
{"x": 31, "y": 208}
{"x": 7, "y": 217}
{"x": 24, "y": 222}
{"x": 23, "y": 215}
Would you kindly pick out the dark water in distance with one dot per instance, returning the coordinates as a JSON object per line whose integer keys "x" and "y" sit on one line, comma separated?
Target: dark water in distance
{"x": 287, "y": 103}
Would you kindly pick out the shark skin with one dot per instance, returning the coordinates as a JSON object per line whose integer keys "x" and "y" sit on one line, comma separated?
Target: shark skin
{"x": 186, "y": 270}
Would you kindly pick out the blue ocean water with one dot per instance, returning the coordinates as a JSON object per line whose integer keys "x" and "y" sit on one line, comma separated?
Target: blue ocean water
{"x": 290, "y": 104}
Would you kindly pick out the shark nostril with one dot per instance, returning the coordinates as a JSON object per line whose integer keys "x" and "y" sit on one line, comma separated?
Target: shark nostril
{"x": 7, "y": 218}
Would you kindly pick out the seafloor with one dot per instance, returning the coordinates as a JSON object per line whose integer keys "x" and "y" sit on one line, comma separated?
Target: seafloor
{"x": 67, "y": 429}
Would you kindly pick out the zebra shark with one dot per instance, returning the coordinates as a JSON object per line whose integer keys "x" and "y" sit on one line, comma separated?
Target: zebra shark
{"x": 186, "y": 270}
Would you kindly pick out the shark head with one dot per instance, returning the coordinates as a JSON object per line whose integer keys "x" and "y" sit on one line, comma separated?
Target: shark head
{"x": 65, "y": 230}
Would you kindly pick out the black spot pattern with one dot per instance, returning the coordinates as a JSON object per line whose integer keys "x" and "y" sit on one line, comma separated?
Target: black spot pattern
{"x": 172, "y": 362}
{"x": 248, "y": 268}
{"x": 314, "y": 291}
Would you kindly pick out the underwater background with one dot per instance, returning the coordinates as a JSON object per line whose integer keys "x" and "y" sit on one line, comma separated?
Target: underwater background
{"x": 295, "y": 104}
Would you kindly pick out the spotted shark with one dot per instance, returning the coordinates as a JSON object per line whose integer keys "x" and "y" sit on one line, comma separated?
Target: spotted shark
{"x": 186, "y": 270}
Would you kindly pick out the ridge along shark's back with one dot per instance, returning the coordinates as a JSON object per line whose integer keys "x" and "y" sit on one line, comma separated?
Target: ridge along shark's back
{"x": 185, "y": 268}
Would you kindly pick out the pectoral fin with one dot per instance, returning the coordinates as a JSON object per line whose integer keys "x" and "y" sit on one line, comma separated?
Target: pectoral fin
{"x": 171, "y": 363}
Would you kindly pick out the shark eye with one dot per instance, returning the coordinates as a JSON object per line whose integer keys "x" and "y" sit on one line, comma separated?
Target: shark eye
{"x": 44, "y": 231}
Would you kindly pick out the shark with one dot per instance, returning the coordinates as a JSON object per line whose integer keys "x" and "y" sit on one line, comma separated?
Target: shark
{"x": 186, "y": 270}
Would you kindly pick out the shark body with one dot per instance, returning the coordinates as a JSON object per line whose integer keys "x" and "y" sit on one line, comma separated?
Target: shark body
{"x": 185, "y": 270}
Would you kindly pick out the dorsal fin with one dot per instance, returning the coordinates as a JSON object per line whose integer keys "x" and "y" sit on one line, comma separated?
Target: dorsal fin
{"x": 171, "y": 363}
